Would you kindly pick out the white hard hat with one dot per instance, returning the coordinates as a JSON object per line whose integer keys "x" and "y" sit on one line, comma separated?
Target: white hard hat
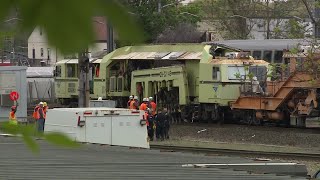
{"x": 144, "y": 99}
{"x": 255, "y": 78}
{"x": 147, "y": 99}
{"x": 136, "y": 97}
{"x": 41, "y": 103}
{"x": 130, "y": 97}
{"x": 150, "y": 98}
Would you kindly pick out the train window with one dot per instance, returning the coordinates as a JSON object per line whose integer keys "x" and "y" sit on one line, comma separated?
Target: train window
{"x": 259, "y": 71}
{"x": 58, "y": 71}
{"x": 267, "y": 56}
{"x": 256, "y": 54}
{"x": 278, "y": 56}
{"x": 215, "y": 73}
{"x": 71, "y": 70}
{"x": 97, "y": 70}
{"x": 236, "y": 72}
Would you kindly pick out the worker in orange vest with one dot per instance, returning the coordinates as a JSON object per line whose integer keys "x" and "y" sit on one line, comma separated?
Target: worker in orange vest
{"x": 12, "y": 115}
{"x": 153, "y": 106}
{"x": 39, "y": 115}
{"x": 129, "y": 102}
{"x": 133, "y": 104}
{"x": 144, "y": 104}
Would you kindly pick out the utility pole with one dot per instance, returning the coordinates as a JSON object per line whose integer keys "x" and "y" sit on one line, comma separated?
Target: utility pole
{"x": 159, "y": 6}
{"x": 84, "y": 92}
{"x": 110, "y": 42}
{"x": 268, "y": 20}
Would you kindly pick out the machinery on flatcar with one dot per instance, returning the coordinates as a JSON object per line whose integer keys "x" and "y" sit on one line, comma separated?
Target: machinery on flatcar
{"x": 291, "y": 97}
{"x": 270, "y": 50}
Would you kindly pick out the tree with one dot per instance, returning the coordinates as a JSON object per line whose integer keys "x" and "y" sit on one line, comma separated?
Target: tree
{"x": 182, "y": 33}
{"x": 154, "y": 22}
{"x": 67, "y": 24}
{"x": 68, "y": 27}
{"x": 237, "y": 18}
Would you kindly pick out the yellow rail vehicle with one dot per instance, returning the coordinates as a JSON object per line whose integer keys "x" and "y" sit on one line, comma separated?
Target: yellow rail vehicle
{"x": 197, "y": 80}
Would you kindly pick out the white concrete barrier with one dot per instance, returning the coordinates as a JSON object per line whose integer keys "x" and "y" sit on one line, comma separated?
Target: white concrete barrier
{"x": 113, "y": 126}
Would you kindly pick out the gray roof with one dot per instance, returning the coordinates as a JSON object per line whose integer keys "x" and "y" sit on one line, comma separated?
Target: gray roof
{"x": 40, "y": 72}
{"x": 110, "y": 162}
{"x": 266, "y": 44}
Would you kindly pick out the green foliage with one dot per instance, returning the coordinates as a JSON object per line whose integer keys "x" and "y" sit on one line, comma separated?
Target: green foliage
{"x": 60, "y": 139}
{"x": 171, "y": 15}
{"x": 237, "y": 75}
{"x": 28, "y": 133}
{"x": 236, "y": 18}
{"x": 294, "y": 29}
{"x": 68, "y": 24}
{"x": 250, "y": 76}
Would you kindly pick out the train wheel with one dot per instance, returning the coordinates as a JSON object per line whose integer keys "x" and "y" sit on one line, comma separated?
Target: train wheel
{"x": 251, "y": 118}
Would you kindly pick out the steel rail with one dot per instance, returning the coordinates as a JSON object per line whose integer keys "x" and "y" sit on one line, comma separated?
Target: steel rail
{"x": 235, "y": 152}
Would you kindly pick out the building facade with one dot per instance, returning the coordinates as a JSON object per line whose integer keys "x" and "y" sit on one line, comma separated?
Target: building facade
{"x": 41, "y": 53}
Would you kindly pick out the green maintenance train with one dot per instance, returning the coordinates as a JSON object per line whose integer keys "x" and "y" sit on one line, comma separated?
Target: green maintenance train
{"x": 194, "y": 81}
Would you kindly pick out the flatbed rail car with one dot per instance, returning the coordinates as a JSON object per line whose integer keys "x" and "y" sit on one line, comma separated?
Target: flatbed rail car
{"x": 193, "y": 76}
{"x": 293, "y": 97}
{"x": 270, "y": 50}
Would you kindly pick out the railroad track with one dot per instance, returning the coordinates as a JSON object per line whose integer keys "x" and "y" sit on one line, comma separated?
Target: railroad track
{"x": 234, "y": 152}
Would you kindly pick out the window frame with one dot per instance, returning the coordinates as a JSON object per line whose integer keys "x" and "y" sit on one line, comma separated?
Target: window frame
{"x": 215, "y": 73}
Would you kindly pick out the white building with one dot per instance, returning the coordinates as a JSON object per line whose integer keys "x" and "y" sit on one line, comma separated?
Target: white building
{"x": 259, "y": 27}
{"x": 39, "y": 51}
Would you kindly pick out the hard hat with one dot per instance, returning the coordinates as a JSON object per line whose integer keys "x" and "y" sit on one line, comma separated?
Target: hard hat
{"x": 130, "y": 97}
{"x": 41, "y": 103}
{"x": 150, "y": 98}
{"x": 136, "y": 97}
{"x": 255, "y": 78}
{"x": 147, "y": 99}
{"x": 44, "y": 103}
{"x": 144, "y": 99}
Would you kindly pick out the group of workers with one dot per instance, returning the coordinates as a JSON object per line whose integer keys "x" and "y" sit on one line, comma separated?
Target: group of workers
{"x": 157, "y": 119}
{"x": 39, "y": 114}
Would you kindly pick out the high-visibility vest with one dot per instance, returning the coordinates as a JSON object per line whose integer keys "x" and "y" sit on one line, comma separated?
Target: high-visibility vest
{"x": 36, "y": 114}
{"x": 154, "y": 107}
{"x": 143, "y": 106}
{"x": 12, "y": 118}
{"x": 145, "y": 117}
{"x": 45, "y": 112}
{"x": 132, "y": 106}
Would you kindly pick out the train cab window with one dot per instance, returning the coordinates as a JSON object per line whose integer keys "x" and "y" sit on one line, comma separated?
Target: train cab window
{"x": 236, "y": 72}
{"x": 259, "y": 71}
{"x": 267, "y": 56}
{"x": 215, "y": 73}
{"x": 97, "y": 70}
{"x": 57, "y": 72}
{"x": 256, "y": 54}
{"x": 278, "y": 56}
{"x": 71, "y": 70}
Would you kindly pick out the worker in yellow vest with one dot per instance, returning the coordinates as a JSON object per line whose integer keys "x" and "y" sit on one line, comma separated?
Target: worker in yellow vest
{"x": 12, "y": 115}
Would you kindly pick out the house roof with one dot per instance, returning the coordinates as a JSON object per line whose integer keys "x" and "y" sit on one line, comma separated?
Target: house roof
{"x": 100, "y": 28}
